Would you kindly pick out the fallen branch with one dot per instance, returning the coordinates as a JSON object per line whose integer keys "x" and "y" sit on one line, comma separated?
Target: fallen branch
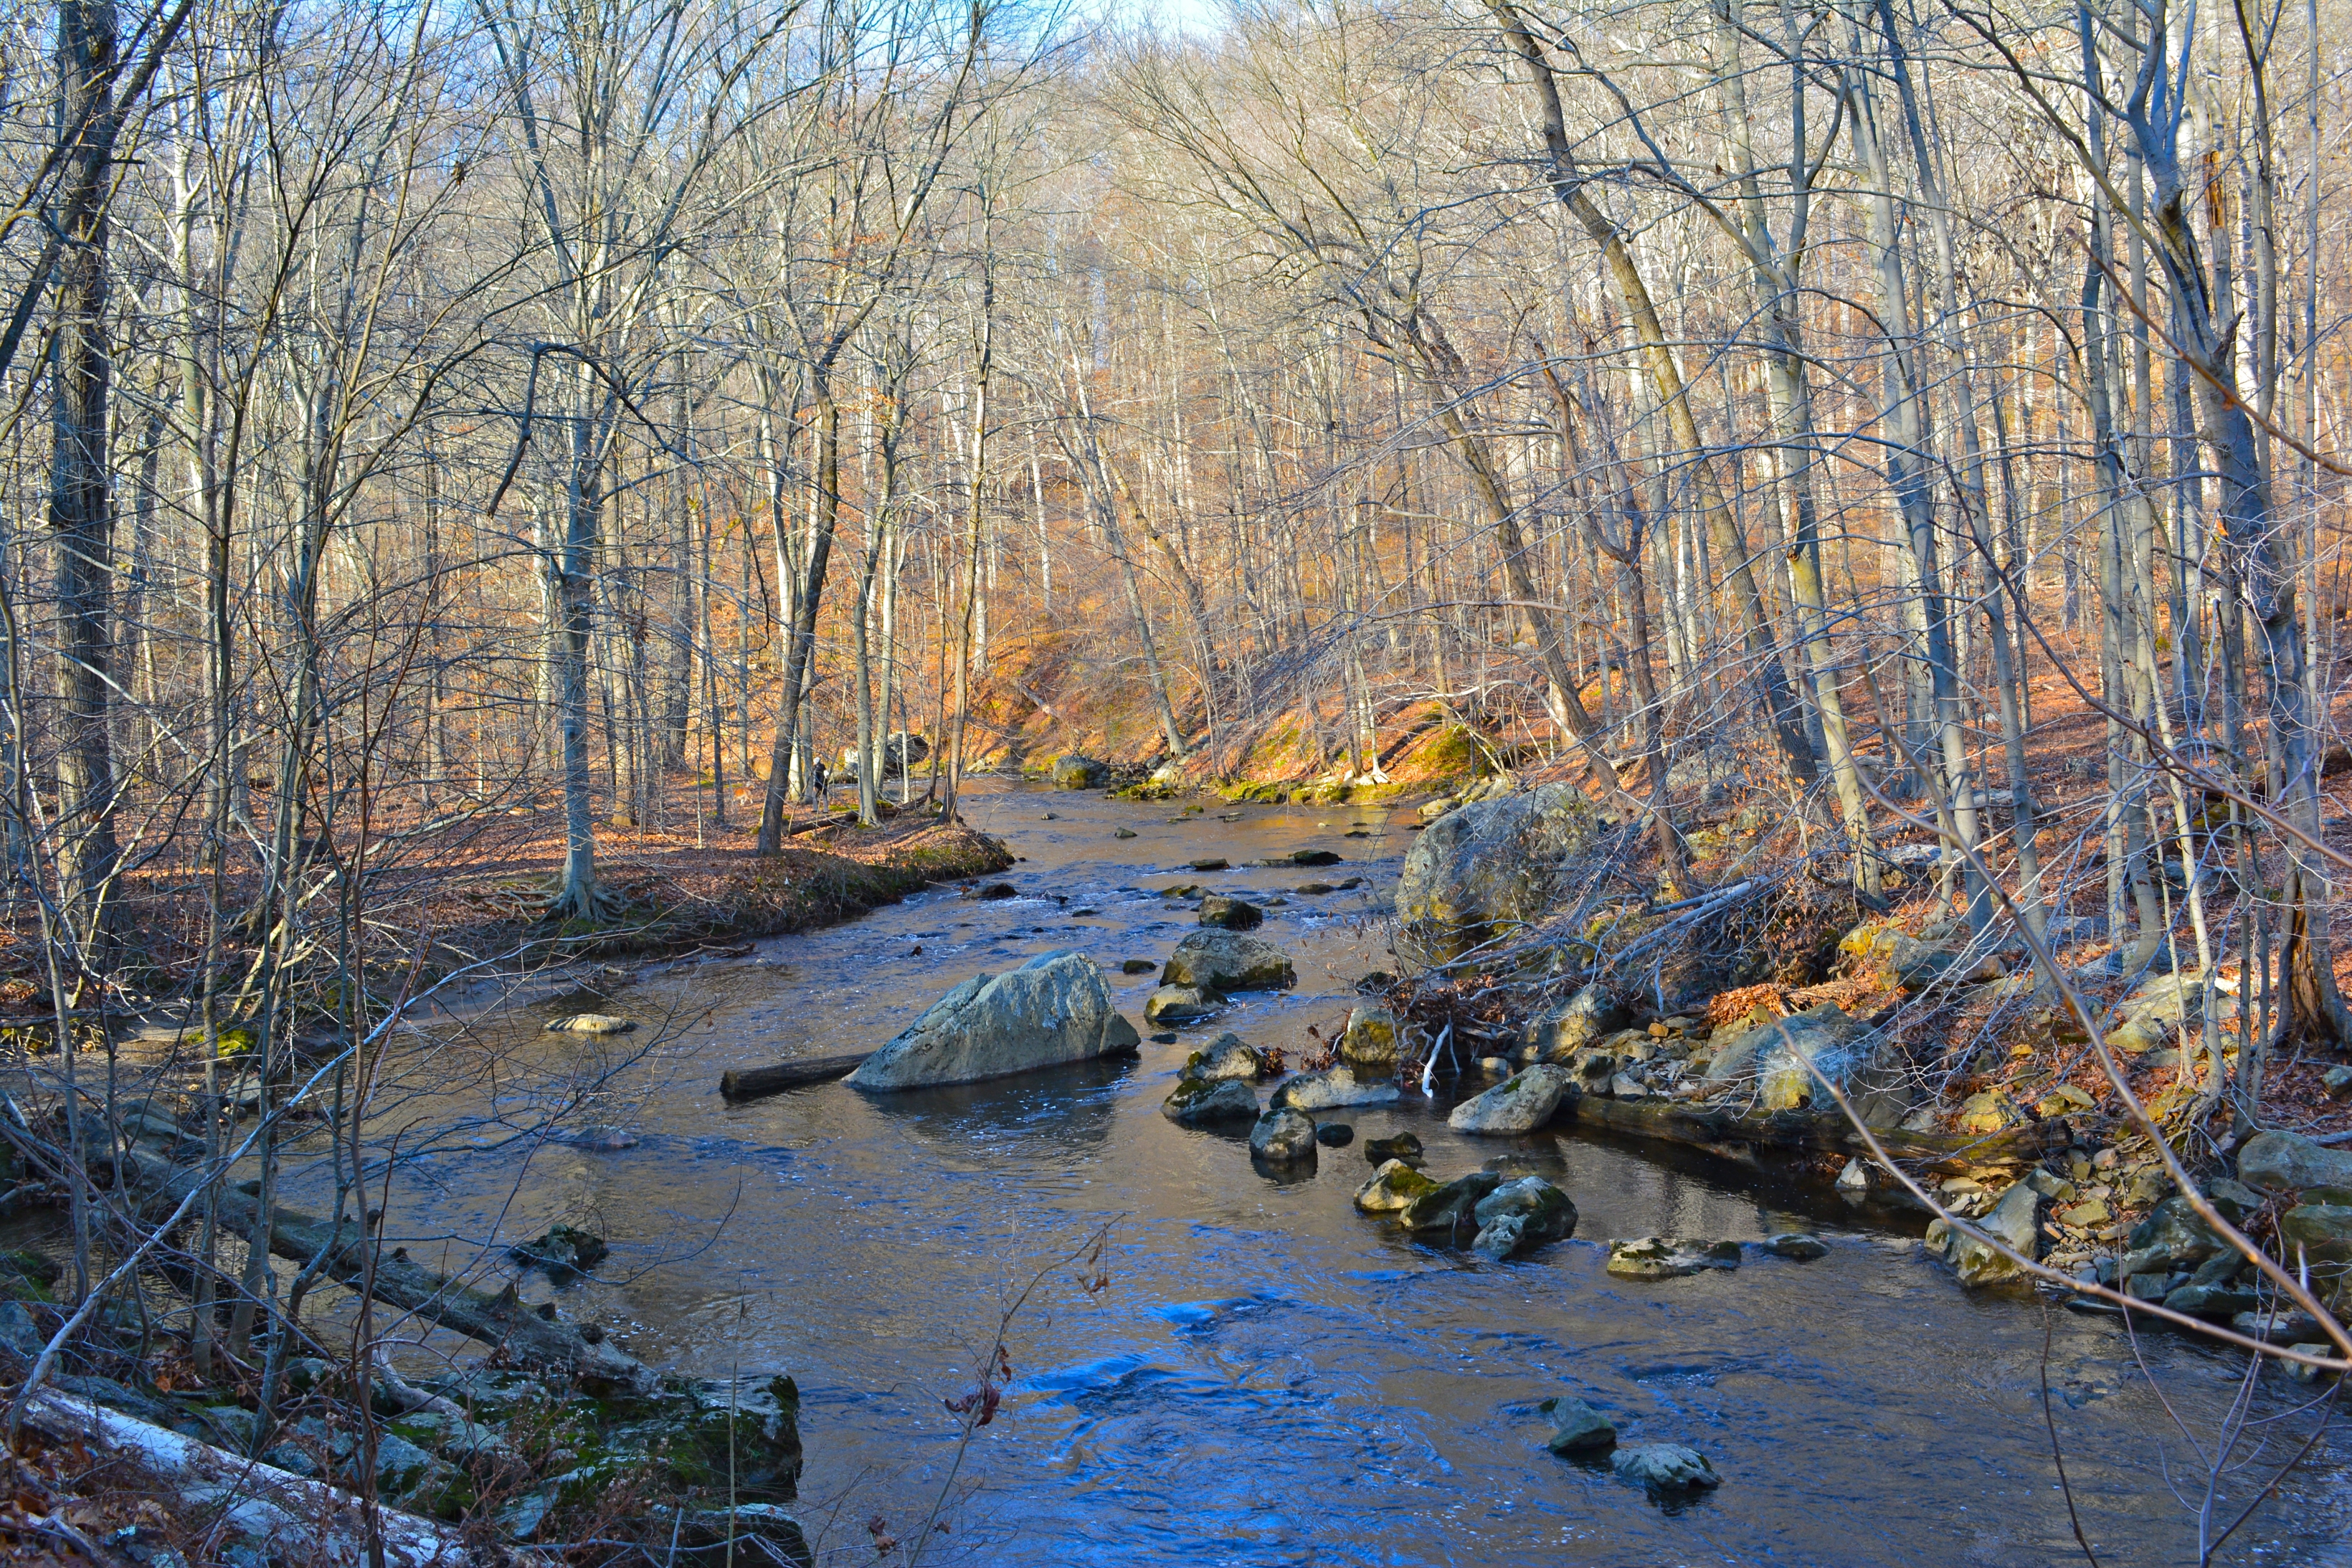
{"x": 299, "y": 1521}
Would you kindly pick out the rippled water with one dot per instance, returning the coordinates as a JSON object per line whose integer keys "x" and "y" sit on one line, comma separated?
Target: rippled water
{"x": 1269, "y": 1378}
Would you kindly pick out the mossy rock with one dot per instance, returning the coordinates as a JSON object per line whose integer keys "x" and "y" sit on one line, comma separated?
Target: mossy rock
{"x": 28, "y": 1276}
{"x": 707, "y": 1436}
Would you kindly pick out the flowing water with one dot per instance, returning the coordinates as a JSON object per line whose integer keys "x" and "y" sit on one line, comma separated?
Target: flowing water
{"x": 1268, "y": 1377}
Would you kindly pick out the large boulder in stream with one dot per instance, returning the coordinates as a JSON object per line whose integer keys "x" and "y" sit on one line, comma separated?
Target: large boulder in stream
{"x": 1227, "y": 961}
{"x": 1052, "y": 1010}
{"x": 1072, "y": 771}
{"x": 1491, "y": 865}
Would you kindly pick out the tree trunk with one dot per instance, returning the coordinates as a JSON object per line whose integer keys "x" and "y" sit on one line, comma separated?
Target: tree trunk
{"x": 81, "y": 506}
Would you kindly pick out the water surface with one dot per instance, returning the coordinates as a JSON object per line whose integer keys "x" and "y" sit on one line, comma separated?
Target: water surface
{"x": 1264, "y": 1376}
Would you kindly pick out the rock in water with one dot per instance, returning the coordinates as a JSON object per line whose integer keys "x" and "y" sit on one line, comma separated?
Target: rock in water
{"x": 1313, "y": 857}
{"x": 1403, "y": 1146}
{"x": 1667, "y": 1466}
{"x": 1136, "y": 967}
{"x": 2289, "y": 1162}
{"x": 1521, "y": 1216}
{"x": 1392, "y": 1187}
{"x": 1577, "y": 1427}
{"x": 1230, "y": 914}
{"x": 564, "y": 1250}
{"x": 1073, "y": 771}
{"x": 1335, "y": 1134}
{"x": 1123, "y": 833}
{"x": 2014, "y": 1220}
{"x": 1180, "y": 1004}
{"x": 1283, "y": 1137}
{"x": 1199, "y": 1102}
{"x": 1210, "y": 862}
{"x": 1669, "y": 1257}
{"x": 1370, "y": 1044}
{"x": 1228, "y": 961}
{"x": 1498, "y": 1239}
{"x": 1495, "y": 864}
{"x": 1053, "y": 1009}
{"x": 603, "y": 1138}
{"x": 1227, "y": 1056}
{"x": 1451, "y": 1209}
{"x": 1796, "y": 1244}
{"x": 591, "y": 1023}
{"x": 1519, "y": 1104}
{"x": 1332, "y": 1088}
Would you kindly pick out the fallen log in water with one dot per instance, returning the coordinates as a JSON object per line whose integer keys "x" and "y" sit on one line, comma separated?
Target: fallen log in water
{"x": 520, "y": 1333}
{"x": 299, "y": 1521}
{"x": 752, "y": 1082}
{"x": 1721, "y": 1130}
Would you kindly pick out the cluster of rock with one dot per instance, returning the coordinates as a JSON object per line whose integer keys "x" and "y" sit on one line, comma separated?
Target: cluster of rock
{"x": 1581, "y": 1432}
{"x": 1495, "y": 1214}
{"x": 1214, "y": 1087}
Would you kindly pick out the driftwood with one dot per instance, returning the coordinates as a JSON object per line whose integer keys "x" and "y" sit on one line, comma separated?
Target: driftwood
{"x": 752, "y": 1082}
{"x": 1722, "y": 1131}
{"x": 301, "y": 1521}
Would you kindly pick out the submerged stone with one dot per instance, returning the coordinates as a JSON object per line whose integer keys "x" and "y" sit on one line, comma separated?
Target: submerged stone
{"x": 1666, "y": 1467}
{"x": 1669, "y": 1257}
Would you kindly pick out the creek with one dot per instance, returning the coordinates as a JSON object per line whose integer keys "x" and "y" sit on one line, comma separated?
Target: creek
{"x": 1269, "y": 1378}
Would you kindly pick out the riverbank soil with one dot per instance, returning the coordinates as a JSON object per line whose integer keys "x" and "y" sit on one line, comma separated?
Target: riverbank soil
{"x": 471, "y": 885}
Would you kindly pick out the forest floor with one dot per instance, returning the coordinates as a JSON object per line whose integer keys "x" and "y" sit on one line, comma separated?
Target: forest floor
{"x": 470, "y": 887}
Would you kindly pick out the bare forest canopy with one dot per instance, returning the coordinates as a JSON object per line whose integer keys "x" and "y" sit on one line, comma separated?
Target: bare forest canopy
{"x": 419, "y": 414}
